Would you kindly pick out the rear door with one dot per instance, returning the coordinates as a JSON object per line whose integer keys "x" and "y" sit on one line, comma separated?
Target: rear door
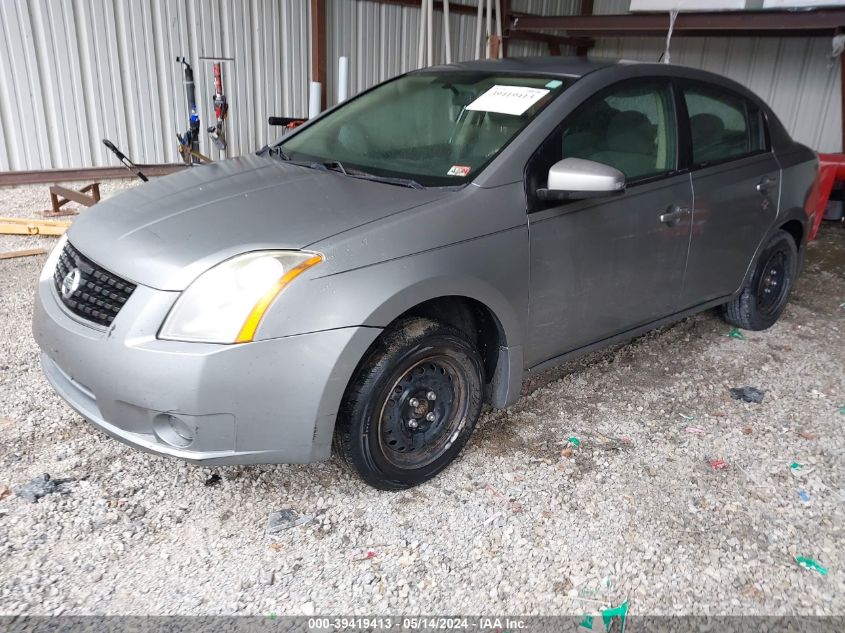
{"x": 605, "y": 265}
{"x": 736, "y": 185}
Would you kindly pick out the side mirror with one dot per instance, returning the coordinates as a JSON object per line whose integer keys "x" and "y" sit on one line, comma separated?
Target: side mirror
{"x": 578, "y": 178}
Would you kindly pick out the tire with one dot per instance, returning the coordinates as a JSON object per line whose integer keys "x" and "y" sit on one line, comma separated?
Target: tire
{"x": 763, "y": 298}
{"x": 391, "y": 442}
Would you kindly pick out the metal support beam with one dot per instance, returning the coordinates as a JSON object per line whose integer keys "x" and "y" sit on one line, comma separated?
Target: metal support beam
{"x": 745, "y": 23}
{"x": 586, "y": 9}
{"x": 842, "y": 94}
{"x": 508, "y": 17}
{"x": 9, "y": 178}
{"x": 454, "y": 7}
{"x": 318, "y": 47}
{"x": 551, "y": 39}
{"x": 506, "y": 11}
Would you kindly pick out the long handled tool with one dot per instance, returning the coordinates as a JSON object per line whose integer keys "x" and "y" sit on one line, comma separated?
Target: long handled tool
{"x": 189, "y": 142}
{"x": 217, "y": 132}
{"x": 124, "y": 160}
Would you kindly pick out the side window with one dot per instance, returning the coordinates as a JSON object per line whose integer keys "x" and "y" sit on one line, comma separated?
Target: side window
{"x": 631, "y": 128}
{"x": 723, "y": 126}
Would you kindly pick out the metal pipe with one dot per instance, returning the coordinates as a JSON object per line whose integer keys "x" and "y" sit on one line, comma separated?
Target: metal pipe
{"x": 342, "y": 79}
{"x": 447, "y": 31}
{"x": 421, "y": 47}
{"x": 314, "y": 96}
{"x": 478, "y": 48}
{"x": 489, "y": 8}
{"x": 499, "y": 26}
{"x": 430, "y": 31}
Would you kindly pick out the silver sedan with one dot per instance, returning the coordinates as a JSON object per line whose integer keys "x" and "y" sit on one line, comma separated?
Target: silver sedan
{"x": 369, "y": 281}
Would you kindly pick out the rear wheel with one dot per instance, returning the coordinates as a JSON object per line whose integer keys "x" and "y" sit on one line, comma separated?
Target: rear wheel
{"x": 763, "y": 298}
{"x": 411, "y": 405}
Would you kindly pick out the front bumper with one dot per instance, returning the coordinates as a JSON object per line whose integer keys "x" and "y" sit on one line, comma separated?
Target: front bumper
{"x": 271, "y": 401}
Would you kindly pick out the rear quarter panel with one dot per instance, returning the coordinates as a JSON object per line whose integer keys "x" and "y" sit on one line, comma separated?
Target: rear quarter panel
{"x": 799, "y": 169}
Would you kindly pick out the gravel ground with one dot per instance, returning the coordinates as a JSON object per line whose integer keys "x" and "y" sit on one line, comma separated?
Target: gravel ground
{"x": 521, "y": 523}
{"x": 30, "y": 201}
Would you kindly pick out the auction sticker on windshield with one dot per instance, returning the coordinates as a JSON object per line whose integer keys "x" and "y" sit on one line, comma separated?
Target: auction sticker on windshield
{"x": 508, "y": 99}
{"x": 459, "y": 170}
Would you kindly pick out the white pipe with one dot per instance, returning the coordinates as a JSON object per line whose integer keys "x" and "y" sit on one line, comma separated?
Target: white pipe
{"x": 421, "y": 47}
{"x": 499, "y": 25}
{"x": 489, "y": 25}
{"x": 446, "y": 31}
{"x": 314, "y": 96}
{"x": 478, "y": 30}
{"x": 342, "y": 79}
{"x": 430, "y": 31}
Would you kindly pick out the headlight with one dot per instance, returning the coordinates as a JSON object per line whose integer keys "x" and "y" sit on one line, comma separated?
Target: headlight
{"x": 226, "y": 303}
{"x": 53, "y": 258}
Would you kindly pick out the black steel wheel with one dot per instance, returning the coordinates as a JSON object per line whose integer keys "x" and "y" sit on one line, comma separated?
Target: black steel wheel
{"x": 411, "y": 405}
{"x": 764, "y": 295}
{"x": 771, "y": 282}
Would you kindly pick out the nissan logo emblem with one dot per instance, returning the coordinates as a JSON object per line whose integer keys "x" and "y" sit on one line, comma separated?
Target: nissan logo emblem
{"x": 70, "y": 283}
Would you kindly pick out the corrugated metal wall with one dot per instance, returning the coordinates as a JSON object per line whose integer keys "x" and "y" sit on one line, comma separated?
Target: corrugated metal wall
{"x": 75, "y": 71}
{"x": 794, "y": 75}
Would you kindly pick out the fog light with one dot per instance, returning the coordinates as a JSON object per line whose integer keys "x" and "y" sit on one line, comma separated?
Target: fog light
{"x": 173, "y": 430}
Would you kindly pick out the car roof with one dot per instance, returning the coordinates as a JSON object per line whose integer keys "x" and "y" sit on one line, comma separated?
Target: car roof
{"x": 549, "y": 65}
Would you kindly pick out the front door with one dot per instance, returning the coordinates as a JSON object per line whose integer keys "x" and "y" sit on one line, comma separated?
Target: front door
{"x": 602, "y": 266}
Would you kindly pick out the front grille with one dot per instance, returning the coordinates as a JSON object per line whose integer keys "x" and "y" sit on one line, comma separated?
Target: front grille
{"x": 100, "y": 294}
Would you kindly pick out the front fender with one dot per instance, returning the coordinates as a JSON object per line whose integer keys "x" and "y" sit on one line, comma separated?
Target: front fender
{"x": 492, "y": 269}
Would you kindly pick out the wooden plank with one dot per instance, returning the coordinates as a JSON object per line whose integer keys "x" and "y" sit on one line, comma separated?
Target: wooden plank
{"x": 26, "y": 253}
{"x": 25, "y": 226}
{"x": 64, "y": 223}
{"x": 76, "y": 196}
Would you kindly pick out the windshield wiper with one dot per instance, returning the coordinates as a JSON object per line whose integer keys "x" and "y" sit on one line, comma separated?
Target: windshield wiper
{"x": 276, "y": 150}
{"x": 402, "y": 182}
{"x": 336, "y": 165}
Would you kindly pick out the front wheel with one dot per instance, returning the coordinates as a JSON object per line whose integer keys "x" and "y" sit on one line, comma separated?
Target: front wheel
{"x": 411, "y": 405}
{"x": 763, "y": 297}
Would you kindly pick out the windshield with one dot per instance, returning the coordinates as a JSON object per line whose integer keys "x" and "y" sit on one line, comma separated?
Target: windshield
{"x": 438, "y": 129}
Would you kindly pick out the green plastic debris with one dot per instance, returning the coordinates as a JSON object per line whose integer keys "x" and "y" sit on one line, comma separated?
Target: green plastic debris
{"x": 809, "y": 563}
{"x": 586, "y": 623}
{"x": 842, "y": 409}
{"x": 574, "y": 441}
{"x": 735, "y": 333}
{"x": 688, "y": 418}
{"x": 796, "y": 466}
{"x": 620, "y": 612}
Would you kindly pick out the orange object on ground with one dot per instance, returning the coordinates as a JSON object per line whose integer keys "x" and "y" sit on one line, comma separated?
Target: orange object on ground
{"x": 831, "y": 169}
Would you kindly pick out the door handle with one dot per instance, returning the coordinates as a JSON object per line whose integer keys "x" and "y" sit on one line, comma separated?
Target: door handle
{"x": 673, "y": 215}
{"x": 764, "y": 184}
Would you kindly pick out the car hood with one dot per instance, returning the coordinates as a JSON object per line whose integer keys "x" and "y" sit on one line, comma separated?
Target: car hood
{"x": 166, "y": 232}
